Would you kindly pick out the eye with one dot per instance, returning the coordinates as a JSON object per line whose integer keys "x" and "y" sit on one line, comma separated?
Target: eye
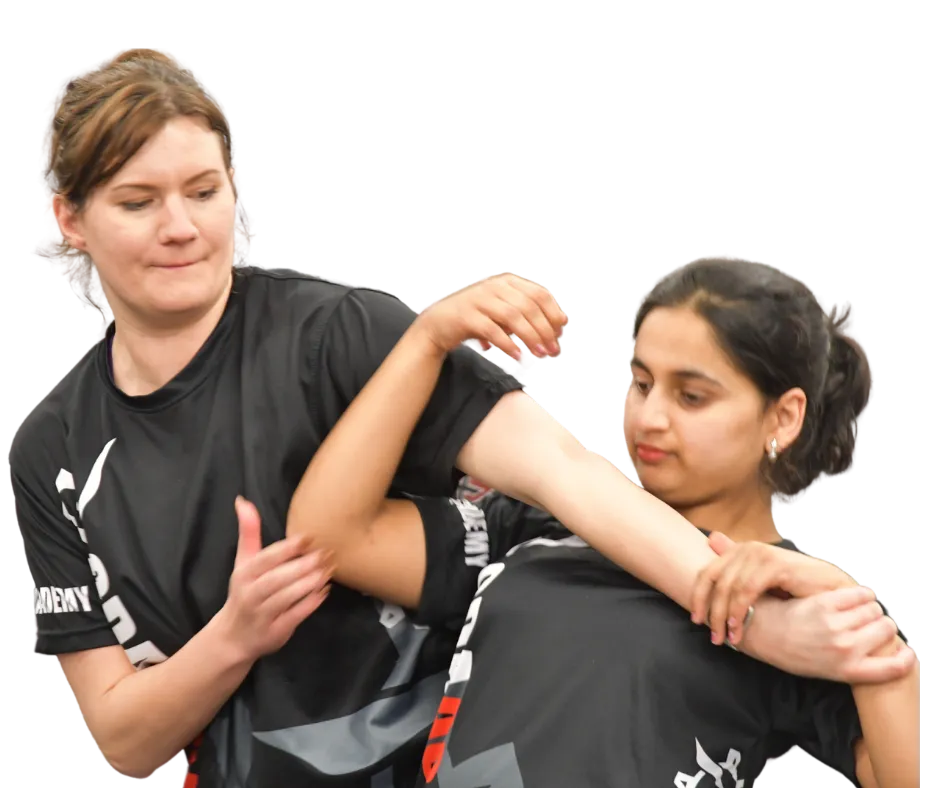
{"x": 691, "y": 398}
{"x": 642, "y": 386}
{"x": 206, "y": 194}
{"x": 135, "y": 206}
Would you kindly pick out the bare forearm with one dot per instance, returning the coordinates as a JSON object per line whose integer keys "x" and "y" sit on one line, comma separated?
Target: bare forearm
{"x": 631, "y": 527}
{"x": 890, "y": 717}
{"x": 149, "y": 716}
{"x": 348, "y": 478}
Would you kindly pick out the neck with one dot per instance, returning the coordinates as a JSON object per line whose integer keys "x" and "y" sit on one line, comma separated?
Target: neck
{"x": 147, "y": 355}
{"x": 742, "y": 517}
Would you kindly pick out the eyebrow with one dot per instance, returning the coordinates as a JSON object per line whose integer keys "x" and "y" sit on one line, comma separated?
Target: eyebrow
{"x": 685, "y": 374}
{"x": 148, "y": 187}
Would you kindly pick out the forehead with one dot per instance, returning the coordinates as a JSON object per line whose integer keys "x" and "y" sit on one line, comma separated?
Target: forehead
{"x": 675, "y": 339}
{"x": 182, "y": 148}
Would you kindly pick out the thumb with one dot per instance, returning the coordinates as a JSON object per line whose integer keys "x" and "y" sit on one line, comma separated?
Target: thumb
{"x": 720, "y": 543}
{"x": 249, "y": 530}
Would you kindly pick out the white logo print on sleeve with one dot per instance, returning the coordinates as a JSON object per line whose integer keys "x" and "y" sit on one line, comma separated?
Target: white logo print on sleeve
{"x": 718, "y": 772}
{"x": 122, "y": 623}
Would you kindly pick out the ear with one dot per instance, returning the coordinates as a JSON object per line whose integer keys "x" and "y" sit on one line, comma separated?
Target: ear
{"x": 785, "y": 418}
{"x": 235, "y": 176}
{"x": 69, "y": 223}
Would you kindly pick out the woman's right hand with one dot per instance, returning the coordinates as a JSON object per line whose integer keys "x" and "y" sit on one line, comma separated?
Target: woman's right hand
{"x": 272, "y": 589}
{"x": 492, "y": 311}
{"x": 837, "y": 635}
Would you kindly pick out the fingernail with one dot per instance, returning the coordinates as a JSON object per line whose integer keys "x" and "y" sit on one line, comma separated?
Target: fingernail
{"x": 540, "y": 351}
{"x": 555, "y": 349}
{"x": 732, "y": 623}
{"x": 715, "y": 639}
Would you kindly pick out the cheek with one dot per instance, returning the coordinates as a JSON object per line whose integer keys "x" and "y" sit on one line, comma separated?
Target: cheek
{"x": 717, "y": 443}
{"x": 114, "y": 238}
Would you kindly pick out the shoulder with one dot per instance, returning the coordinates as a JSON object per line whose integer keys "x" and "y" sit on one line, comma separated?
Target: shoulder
{"x": 41, "y": 437}
{"x": 305, "y": 292}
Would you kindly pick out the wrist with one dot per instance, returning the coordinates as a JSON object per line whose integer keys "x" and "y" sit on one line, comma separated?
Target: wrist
{"x": 421, "y": 339}
{"x": 230, "y": 650}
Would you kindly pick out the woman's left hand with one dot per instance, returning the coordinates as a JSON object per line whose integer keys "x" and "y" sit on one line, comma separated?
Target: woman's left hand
{"x": 732, "y": 583}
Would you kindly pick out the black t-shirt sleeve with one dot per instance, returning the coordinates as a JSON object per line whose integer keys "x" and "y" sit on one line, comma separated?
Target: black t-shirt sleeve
{"x": 462, "y": 538}
{"x": 820, "y": 717}
{"x": 69, "y": 615}
{"x": 360, "y": 332}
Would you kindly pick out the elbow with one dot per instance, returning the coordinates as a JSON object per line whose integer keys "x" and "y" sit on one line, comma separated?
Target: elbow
{"x": 129, "y": 766}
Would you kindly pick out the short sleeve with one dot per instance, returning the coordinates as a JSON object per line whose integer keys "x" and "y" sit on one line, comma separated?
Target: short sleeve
{"x": 69, "y": 616}
{"x": 461, "y": 539}
{"x": 821, "y": 718}
{"x": 361, "y": 331}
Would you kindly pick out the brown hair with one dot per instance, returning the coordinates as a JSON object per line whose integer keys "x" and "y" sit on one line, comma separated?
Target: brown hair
{"x": 773, "y": 328}
{"x": 106, "y": 116}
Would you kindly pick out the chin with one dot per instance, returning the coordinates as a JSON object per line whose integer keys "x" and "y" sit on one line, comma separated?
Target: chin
{"x": 193, "y": 289}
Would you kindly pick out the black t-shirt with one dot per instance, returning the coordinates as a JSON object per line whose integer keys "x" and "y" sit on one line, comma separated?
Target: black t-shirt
{"x": 570, "y": 671}
{"x": 126, "y": 508}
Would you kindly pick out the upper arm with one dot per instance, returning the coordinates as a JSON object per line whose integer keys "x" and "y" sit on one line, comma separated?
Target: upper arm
{"x": 92, "y": 674}
{"x": 69, "y": 613}
{"x": 385, "y": 558}
{"x": 516, "y": 448}
{"x": 359, "y": 333}
{"x": 863, "y": 768}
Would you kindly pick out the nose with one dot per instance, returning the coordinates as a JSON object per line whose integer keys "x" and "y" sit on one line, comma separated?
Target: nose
{"x": 652, "y": 412}
{"x": 177, "y": 225}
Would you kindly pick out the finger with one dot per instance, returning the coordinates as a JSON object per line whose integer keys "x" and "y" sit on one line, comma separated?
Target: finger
{"x": 859, "y": 616}
{"x": 847, "y": 598}
{"x": 497, "y": 307}
{"x": 875, "y": 635}
{"x": 286, "y": 572}
{"x": 720, "y": 543}
{"x": 274, "y": 555}
{"x": 545, "y": 315}
{"x": 725, "y": 586}
{"x": 287, "y": 595}
{"x": 492, "y": 332}
{"x": 702, "y": 591}
{"x": 546, "y": 301}
{"x": 756, "y": 576}
{"x": 536, "y": 320}
{"x": 249, "y": 531}
{"x": 877, "y": 670}
{"x": 484, "y": 344}
{"x": 302, "y": 610}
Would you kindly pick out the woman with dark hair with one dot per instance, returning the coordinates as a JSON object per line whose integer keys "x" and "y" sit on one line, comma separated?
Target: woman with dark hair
{"x": 569, "y": 671}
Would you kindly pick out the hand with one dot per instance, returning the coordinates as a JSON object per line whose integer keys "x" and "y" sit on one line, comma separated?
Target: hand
{"x": 492, "y": 311}
{"x": 727, "y": 587}
{"x": 271, "y": 590}
{"x": 832, "y": 636}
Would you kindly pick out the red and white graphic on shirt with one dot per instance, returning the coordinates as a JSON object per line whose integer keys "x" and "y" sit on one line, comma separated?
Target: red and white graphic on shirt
{"x": 461, "y": 667}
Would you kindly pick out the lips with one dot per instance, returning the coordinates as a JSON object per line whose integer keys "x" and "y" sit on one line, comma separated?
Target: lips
{"x": 650, "y": 454}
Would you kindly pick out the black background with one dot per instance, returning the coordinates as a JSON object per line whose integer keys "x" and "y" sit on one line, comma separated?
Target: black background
{"x": 393, "y": 167}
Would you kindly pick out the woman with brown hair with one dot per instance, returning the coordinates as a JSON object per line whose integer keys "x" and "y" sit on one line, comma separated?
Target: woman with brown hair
{"x": 215, "y": 381}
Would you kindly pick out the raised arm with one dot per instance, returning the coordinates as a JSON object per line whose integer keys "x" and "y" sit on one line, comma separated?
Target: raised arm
{"x": 518, "y": 449}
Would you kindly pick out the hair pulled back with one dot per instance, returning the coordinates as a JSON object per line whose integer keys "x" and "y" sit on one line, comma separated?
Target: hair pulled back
{"x": 97, "y": 119}
{"x": 772, "y": 327}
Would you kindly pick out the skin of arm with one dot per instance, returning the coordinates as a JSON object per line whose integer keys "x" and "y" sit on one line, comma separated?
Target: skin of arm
{"x": 519, "y": 449}
{"x": 888, "y": 755}
{"x": 142, "y": 719}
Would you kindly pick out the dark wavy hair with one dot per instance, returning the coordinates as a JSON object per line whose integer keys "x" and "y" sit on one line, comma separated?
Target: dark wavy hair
{"x": 773, "y": 329}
